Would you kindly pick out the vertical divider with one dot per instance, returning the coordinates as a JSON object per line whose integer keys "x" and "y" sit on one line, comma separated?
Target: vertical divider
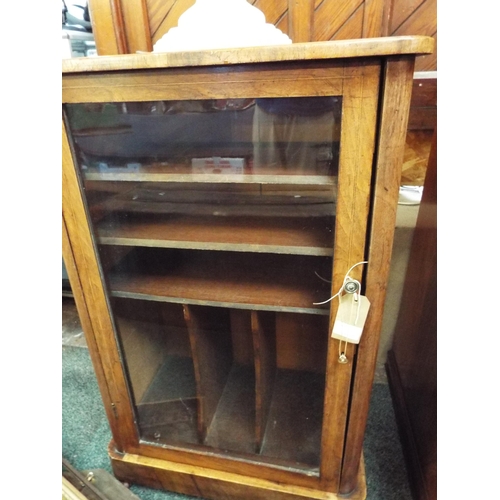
{"x": 211, "y": 358}
{"x": 264, "y": 342}
{"x": 241, "y": 335}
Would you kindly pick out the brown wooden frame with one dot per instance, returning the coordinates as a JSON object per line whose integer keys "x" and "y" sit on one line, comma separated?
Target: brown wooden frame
{"x": 374, "y": 80}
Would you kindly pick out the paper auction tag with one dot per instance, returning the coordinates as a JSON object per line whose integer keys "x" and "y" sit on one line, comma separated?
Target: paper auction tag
{"x": 351, "y": 316}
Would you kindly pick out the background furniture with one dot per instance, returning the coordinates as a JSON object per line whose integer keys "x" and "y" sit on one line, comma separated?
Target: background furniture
{"x": 412, "y": 360}
{"x": 198, "y": 272}
{"x": 421, "y": 126}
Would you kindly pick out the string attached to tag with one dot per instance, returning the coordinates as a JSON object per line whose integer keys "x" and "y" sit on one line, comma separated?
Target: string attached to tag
{"x": 351, "y": 314}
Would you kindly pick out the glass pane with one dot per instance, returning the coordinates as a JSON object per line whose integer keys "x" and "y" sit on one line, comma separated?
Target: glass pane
{"x": 215, "y": 222}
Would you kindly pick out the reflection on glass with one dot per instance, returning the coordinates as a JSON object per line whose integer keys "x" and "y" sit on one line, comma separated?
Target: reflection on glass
{"x": 293, "y": 136}
{"x": 295, "y": 133}
{"x": 215, "y": 221}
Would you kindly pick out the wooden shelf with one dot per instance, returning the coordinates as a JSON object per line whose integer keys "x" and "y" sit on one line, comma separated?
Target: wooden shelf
{"x": 301, "y": 236}
{"x": 225, "y": 279}
{"x": 184, "y": 173}
{"x": 295, "y": 220}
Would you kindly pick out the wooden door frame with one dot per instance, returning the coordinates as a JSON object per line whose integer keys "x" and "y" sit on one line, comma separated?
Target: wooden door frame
{"x": 393, "y": 122}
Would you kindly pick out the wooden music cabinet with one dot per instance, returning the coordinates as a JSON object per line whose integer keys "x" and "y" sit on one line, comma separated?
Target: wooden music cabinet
{"x": 213, "y": 202}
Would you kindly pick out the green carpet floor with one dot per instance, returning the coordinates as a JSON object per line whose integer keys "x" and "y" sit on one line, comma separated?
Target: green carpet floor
{"x": 86, "y": 433}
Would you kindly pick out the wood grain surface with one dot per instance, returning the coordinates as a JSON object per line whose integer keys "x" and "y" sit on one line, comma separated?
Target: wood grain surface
{"x": 235, "y": 279}
{"x": 209, "y": 335}
{"x": 264, "y": 346}
{"x": 394, "y": 119}
{"x": 210, "y": 483}
{"x": 243, "y": 234}
{"x": 365, "y": 47}
{"x": 360, "y": 102}
{"x": 311, "y": 446}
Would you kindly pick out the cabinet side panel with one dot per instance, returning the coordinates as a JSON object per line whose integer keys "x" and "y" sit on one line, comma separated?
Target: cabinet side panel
{"x": 102, "y": 331}
{"x": 394, "y": 119}
{"x": 83, "y": 315}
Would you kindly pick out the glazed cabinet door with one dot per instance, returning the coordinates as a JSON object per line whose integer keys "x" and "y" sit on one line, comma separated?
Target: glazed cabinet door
{"x": 212, "y": 213}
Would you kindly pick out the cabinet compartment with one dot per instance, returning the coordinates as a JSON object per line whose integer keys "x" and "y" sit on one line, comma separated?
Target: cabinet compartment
{"x": 226, "y": 140}
{"x": 168, "y": 411}
{"x": 156, "y": 351}
{"x": 233, "y": 279}
{"x": 268, "y": 403}
{"x": 226, "y": 378}
{"x": 294, "y": 219}
{"x": 292, "y": 430}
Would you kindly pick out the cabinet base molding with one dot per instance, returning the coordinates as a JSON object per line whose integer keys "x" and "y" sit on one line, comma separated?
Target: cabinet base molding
{"x": 213, "y": 484}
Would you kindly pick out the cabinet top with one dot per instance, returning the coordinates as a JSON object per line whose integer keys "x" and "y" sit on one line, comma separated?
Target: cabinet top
{"x": 362, "y": 47}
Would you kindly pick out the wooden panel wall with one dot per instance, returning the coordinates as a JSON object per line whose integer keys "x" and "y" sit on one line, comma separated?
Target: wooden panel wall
{"x": 415, "y": 17}
{"x": 128, "y": 26}
{"x": 164, "y": 14}
{"x": 302, "y": 20}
